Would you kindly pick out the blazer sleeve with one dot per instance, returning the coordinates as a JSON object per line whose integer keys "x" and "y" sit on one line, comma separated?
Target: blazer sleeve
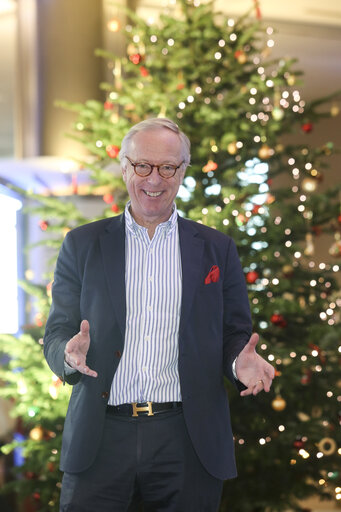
{"x": 237, "y": 315}
{"x": 64, "y": 317}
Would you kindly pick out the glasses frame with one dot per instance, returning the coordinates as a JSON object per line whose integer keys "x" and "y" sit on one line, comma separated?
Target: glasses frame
{"x": 134, "y": 164}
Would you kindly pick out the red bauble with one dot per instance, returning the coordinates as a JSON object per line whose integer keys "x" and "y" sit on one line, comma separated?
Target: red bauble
{"x": 317, "y": 230}
{"x": 306, "y": 378}
{"x": 278, "y": 320}
{"x": 51, "y": 467}
{"x": 144, "y": 71}
{"x": 298, "y": 443}
{"x": 115, "y": 208}
{"x": 252, "y": 277}
{"x": 339, "y": 219}
{"x": 180, "y": 86}
{"x": 29, "y": 475}
{"x": 108, "y": 105}
{"x": 255, "y": 209}
{"x": 135, "y": 58}
{"x": 43, "y": 224}
{"x": 112, "y": 151}
{"x": 307, "y": 127}
{"x": 108, "y": 198}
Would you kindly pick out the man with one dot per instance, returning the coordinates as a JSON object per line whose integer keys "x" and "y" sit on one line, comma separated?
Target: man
{"x": 149, "y": 312}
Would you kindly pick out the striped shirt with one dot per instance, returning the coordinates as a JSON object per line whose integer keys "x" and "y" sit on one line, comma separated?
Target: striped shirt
{"x": 148, "y": 369}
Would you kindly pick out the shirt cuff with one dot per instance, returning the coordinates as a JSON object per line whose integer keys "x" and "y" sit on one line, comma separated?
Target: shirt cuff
{"x": 68, "y": 369}
{"x": 234, "y": 369}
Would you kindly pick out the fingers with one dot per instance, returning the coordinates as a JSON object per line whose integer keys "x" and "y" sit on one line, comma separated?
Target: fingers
{"x": 78, "y": 363}
{"x": 252, "y": 343}
{"x": 84, "y": 328}
{"x": 263, "y": 384}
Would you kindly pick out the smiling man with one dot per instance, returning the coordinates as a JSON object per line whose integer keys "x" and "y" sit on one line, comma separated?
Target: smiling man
{"x": 149, "y": 312}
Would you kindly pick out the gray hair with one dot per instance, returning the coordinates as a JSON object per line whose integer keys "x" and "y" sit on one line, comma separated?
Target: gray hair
{"x": 152, "y": 124}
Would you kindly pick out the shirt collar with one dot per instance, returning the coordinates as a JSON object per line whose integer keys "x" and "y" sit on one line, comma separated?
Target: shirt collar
{"x": 167, "y": 226}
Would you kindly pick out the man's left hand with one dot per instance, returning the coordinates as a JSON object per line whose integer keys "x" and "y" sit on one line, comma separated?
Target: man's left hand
{"x": 252, "y": 370}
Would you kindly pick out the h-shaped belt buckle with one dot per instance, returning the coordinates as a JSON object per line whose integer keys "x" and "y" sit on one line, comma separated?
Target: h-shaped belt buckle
{"x": 144, "y": 408}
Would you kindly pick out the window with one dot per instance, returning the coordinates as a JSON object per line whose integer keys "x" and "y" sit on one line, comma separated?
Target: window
{"x": 9, "y": 305}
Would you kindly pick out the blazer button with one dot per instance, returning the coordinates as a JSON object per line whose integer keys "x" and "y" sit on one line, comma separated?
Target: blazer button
{"x": 118, "y": 354}
{"x": 105, "y": 394}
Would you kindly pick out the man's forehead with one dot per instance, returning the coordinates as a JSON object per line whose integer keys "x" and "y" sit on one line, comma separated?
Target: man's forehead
{"x": 155, "y": 142}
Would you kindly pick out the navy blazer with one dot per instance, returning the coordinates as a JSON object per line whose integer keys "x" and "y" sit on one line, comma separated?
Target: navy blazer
{"x": 215, "y": 325}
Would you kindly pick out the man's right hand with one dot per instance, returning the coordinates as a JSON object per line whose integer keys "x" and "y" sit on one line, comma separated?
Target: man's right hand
{"x": 77, "y": 348}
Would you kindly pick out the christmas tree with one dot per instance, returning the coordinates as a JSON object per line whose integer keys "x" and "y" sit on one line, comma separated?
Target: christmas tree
{"x": 215, "y": 77}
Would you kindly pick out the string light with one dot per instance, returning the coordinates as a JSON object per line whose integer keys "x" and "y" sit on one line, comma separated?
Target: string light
{"x": 114, "y": 25}
{"x": 304, "y": 453}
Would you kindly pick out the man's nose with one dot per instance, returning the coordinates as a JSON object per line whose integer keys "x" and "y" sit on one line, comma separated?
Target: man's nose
{"x": 154, "y": 176}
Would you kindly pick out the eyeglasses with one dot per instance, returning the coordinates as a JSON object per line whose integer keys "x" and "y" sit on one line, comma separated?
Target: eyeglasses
{"x": 144, "y": 169}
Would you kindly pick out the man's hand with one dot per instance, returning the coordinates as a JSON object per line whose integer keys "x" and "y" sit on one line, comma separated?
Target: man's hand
{"x": 252, "y": 370}
{"x": 77, "y": 348}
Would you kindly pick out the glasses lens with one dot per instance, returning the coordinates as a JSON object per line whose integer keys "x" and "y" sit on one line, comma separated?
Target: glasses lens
{"x": 167, "y": 171}
{"x": 143, "y": 169}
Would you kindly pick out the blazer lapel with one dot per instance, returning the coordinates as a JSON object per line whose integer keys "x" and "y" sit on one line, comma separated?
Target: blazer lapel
{"x": 191, "y": 247}
{"x": 112, "y": 243}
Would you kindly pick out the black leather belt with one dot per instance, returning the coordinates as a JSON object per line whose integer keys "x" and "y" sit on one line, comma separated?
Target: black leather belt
{"x": 136, "y": 409}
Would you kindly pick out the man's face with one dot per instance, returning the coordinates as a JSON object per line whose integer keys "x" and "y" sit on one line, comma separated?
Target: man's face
{"x": 152, "y": 196}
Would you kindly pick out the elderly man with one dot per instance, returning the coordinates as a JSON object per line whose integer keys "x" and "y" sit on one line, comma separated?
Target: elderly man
{"x": 149, "y": 312}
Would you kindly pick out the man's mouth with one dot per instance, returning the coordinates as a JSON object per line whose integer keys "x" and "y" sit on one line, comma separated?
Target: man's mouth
{"x": 152, "y": 194}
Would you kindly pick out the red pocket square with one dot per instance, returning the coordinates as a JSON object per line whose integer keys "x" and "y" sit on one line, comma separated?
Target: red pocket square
{"x": 213, "y": 275}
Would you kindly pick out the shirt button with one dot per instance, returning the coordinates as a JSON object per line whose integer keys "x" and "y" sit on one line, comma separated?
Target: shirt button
{"x": 144, "y": 369}
{"x": 150, "y": 278}
{"x": 149, "y": 308}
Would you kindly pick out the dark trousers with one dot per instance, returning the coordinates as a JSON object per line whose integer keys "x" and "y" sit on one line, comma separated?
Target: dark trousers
{"x": 144, "y": 463}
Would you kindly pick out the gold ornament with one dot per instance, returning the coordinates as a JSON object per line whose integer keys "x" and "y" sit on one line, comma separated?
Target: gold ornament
{"x": 265, "y": 152}
{"x": 114, "y": 118}
{"x": 335, "y": 248}
{"x": 316, "y": 411}
{"x": 302, "y": 302}
{"x": 278, "y": 404}
{"x": 277, "y": 113}
{"x": 131, "y": 49}
{"x": 309, "y": 184}
{"x": 288, "y": 270}
{"x": 310, "y": 249}
{"x": 291, "y": 80}
{"x": 327, "y": 446}
{"x": 288, "y": 296}
{"x": 241, "y": 58}
{"x": 232, "y": 148}
{"x": 302, "y": 416}
{"x": 334, "y": 111}
{"x": 36, "y": 434}
{"x": 29, "y": 274}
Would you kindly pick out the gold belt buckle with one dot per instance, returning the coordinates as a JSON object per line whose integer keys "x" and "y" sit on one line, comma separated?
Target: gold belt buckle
{"x": 144, "y": 408}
